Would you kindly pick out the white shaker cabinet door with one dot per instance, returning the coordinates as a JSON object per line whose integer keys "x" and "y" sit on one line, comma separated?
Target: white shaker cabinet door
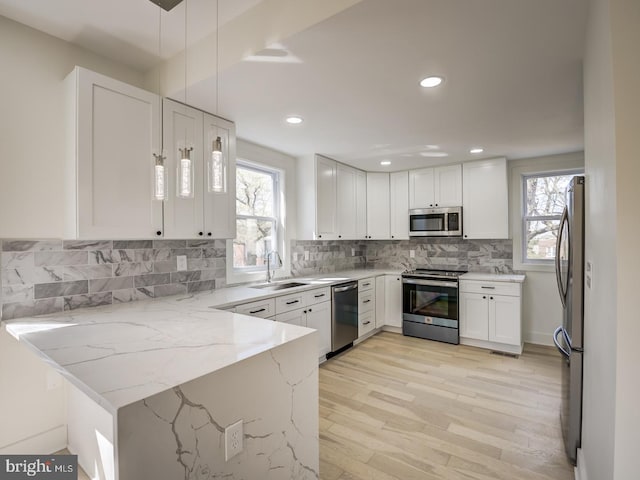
{"x": 319, "y": 318}
{"x": 486, "y": 202}
{"x": 399, "y": 205}
{"x": 326, "y": 197}
{"x": 182, "y": 127}
{"x": 220, "y": 207}
{"x": 393, "y": 300}
{"x": 361, "y": 204}
{"x": 346, "y": 210}
{"x": 113, "y": 133}
{"x": 378, "y": 212}
{"x": 421, "y": 189}
{"x": 504, "y": 319}
{"x": 448, "y": 186}
{"x": 474, "y": 316}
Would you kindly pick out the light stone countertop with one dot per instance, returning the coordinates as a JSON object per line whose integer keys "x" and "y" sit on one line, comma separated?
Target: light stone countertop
{"x": 120, "y": 354}
{"x": 493, "y": 277}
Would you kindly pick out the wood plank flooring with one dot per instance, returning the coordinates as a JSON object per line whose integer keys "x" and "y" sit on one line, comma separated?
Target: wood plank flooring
{"x": 396, "y": 407}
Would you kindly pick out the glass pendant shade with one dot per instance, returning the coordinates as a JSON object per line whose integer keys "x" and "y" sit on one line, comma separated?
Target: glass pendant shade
{"x": 184, "y": 176}
{"x": 159, "y": 178}
{"x": 217, "y": 169}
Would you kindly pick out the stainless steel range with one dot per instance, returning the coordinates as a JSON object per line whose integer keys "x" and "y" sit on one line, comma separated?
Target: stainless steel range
{"x": 430, "y": 304}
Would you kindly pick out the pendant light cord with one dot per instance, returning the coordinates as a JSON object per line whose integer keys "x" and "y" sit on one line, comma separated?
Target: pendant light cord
{"x": 217, "y": 51}
{"x": 160, "y": 51}
{"x": 186, "y": 3}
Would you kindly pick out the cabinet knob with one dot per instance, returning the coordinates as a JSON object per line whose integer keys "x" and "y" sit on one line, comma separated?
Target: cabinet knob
{"x": 490, "y": 298}
{"x": 436, "y": 204}
{"x": 431, "y": 204}
{"x": 319, "y": 236}
{"x": 159, "y": 232}
{"x": 200, "y": 233}
{"x": 466, "y": 236}
{"x": 209, "y": 234}
{"x": 339, "y": 236}
{"x": 484, "y": 297}
{"x": 310, "y": 309}
{"x": 393, "y": 236}
{"x": 304, "y": 311}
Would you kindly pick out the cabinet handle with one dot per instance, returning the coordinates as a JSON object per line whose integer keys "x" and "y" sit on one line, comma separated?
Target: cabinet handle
{"x": 490, "y": 298}
{"x": 292, "y": 302}
{"x": 319, "y": 236}
{"x": 366, "y": 284}
{"x": 319, "y": 296}
{"x": 200, "y": 233}
{"x": 489, "y": 288}
{"x": 436, "y": 204}
{"x": 310, "y": 309}
{"x": 304, "y": 311}
{"x": 466, "y": 236}
{"x": 367, "y": 322}
{"x": 366, "y": 301}
{"x": 258, "y": 311}
{"x": 484, "y": 297}
{"x": 159, "y": 232}
{"x": 431, "y": 204}
{"x": 339, "y": 236}
{"x": 209, "y": 234}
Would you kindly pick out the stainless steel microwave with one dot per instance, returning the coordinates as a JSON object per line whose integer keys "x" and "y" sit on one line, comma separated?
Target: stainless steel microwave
{"x": 435, "y": 222}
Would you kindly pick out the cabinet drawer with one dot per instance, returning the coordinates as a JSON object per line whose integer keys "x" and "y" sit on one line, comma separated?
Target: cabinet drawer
{"x": 366, "y": 322}
{"x": 318, "y": 295}
{"x": 366, "y": 302}
{"x": 286, "y": 303}
{"x": 261, "y": 308}
{"x": 366, "y": 284}
{"x": 496, "y": 288}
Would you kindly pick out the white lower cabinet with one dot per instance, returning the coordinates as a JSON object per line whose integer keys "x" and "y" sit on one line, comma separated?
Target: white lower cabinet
{"x": 393, "y": 300}
{"x": 490, "y": 315}
{"x": 366, "y": 306}
{"x": 318, "y": 316}
{"x": 380, "y": 300}
{"x": 294, "y": 317}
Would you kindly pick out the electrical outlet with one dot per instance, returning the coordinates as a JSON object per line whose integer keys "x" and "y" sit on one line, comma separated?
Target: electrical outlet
{"x": 412, "y": 254}
{"x": 182, "y": 262}
{"x": 233, "y": 435}
{"x": 353, "y": 252}
{"x": 306, "y": 254}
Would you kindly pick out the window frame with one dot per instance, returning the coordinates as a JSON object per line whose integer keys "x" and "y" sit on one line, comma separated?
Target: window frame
{"x": 525, "y": 260}
{"x": 277, "y": 220}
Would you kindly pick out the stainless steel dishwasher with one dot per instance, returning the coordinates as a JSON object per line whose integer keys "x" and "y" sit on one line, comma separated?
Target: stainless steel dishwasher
{"x": 344, "y": 316}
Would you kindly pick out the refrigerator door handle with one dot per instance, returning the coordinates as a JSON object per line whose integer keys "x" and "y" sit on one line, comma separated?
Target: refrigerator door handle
{"x": 565, "y": 214}
{"x": 555, "y": 340}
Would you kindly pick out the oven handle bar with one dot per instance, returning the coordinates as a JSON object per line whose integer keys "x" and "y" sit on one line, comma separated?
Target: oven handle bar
{"x": 430, "y": 283}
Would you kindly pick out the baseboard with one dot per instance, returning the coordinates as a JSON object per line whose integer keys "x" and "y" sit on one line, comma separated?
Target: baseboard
{"x": 580, "y": 472}
{"x": 42, "y": 443}
{"x": 539, "y": 338}
{"x": 388, "y": 328}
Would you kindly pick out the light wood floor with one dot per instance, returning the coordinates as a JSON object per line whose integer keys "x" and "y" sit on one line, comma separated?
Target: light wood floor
{"x": 404, "y": 408}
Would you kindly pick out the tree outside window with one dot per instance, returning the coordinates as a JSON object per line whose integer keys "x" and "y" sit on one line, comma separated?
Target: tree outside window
{"x": 256, "y": 217}
{"x": 544, "y": 202}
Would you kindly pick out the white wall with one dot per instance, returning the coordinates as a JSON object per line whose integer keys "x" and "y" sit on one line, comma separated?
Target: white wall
{"x": 541, "y": 307}
{"x": 625, "y": 21}
{"x": 611, "y": 422}
{"x": 32, "y": 142}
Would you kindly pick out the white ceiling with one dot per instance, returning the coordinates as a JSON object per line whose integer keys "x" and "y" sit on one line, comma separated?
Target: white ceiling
{"x": 512, "y": 69}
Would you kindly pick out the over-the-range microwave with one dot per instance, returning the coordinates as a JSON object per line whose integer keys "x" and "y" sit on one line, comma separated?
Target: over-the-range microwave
{"x": 435, "y": 222}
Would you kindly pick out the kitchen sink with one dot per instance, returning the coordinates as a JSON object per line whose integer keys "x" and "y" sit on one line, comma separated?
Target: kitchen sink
{"x": 279, "y": 286}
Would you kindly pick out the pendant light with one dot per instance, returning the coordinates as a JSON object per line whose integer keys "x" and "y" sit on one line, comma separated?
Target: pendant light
{"x": 184, "y": 168}
{"x": 159, "y": 169}
{"x": 217, "y": 162}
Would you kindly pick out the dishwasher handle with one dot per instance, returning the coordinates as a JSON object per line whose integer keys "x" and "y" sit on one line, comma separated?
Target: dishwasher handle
{"x": 344, "y": 288}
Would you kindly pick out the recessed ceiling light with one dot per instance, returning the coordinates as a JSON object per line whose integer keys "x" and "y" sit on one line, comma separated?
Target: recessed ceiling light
{"x": 294, "y": 120}
{"x": 431, "y": 147}
{"x": 431, "y": 82}
{"x": 476, "y": 150}
{"x": 385, "y": 162}
{"x": 434, "y": 154}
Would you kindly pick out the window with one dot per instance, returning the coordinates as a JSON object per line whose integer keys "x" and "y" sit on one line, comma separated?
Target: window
{"x": 544, "y": 202}
{"x": 257, "y": 216}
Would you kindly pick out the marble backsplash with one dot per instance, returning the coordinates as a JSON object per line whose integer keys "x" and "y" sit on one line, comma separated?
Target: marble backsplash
{"x": 493, "y": 256}
{"x": 49, "y": 276}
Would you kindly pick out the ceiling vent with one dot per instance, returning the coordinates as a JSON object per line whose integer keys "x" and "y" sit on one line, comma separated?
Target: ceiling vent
{"x": 166, "y": 4}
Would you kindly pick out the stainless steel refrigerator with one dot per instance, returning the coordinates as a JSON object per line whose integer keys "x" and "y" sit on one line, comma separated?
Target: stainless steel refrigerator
{"x": 569, "y": 336}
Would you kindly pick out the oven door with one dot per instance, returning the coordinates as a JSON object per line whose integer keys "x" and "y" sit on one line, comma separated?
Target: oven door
{"x": 434, "y": 302}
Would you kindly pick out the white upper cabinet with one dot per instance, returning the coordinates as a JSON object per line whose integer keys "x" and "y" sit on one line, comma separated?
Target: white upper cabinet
{"x": 114, "y": 131}
{"x": 347, "y": 202}
{"x": 435, "y": 187}
{"x": 204, "y": 214}
{"x": 361, "y": 204}
{"x": 326, "y": 197}
{"x": 378, "y": 209}
{"x": 182, "y": 128}
{"x": 485, "y": 211}
{"x": 399, "y": 205}
{"x": 331, "y": 200}
{"x": 220, "y": 206}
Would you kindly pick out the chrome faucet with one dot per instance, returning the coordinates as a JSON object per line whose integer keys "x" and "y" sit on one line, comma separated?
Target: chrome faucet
{"x": 270, "y": 275}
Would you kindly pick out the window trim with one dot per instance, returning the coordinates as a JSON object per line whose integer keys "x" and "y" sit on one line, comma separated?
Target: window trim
{"x": 524, "y": 260}
{"x": 275, "y": 174}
